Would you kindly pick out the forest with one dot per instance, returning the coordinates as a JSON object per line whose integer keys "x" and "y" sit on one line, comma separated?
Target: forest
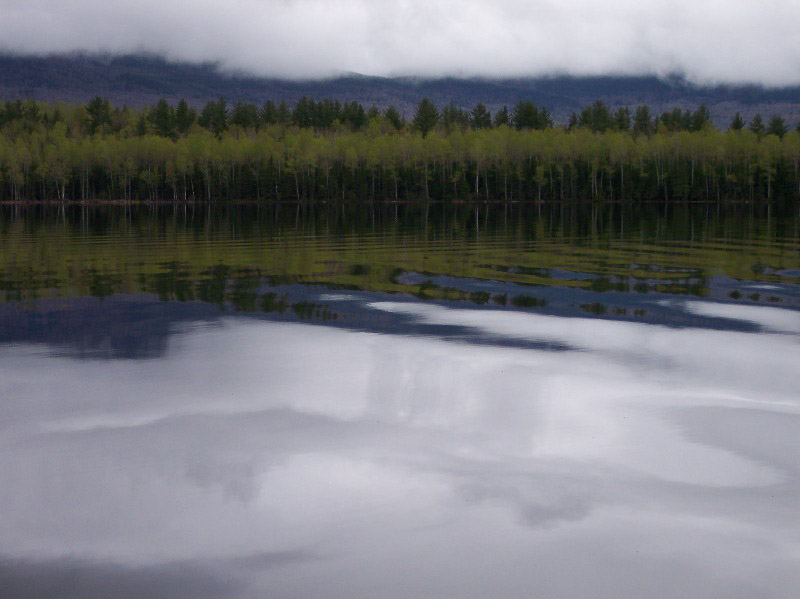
{"x": 324, "y": 150}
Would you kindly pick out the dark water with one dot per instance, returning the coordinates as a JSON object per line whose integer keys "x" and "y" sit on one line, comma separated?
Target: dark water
{"x": 440, "y": 400}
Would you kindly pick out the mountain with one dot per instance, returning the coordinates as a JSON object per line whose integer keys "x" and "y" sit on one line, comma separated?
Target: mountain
{"x": 141, "y": 80}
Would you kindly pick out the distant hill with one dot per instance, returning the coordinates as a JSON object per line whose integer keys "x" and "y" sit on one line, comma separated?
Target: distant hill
{"x": 142, "y": 80}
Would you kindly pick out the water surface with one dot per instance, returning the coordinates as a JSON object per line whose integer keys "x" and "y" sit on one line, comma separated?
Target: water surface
{"x": 438, "y": 400}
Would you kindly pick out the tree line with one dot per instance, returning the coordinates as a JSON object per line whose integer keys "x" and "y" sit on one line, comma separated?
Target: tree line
{"x": 328, "y": 150}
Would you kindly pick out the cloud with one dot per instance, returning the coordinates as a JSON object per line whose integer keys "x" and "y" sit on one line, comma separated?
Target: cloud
{"x": 708, "y": 41}
{"x": 263, "y": 458}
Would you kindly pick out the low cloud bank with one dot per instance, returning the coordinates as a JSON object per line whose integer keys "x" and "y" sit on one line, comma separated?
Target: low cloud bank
{"x": 708, "y": 42}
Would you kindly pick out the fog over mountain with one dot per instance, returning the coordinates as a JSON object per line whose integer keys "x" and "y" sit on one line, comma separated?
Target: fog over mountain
{"x": 706, "y": 41}
{"x": 137, "y": 80}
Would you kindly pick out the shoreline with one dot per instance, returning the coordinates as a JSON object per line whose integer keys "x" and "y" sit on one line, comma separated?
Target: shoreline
{"x": 389, "y": 202}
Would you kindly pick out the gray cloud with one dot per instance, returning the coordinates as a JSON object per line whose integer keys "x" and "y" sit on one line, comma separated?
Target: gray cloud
{"x": 706, "y": 40}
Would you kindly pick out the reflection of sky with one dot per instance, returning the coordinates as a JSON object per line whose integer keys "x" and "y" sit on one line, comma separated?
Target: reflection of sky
{"x": 773, "y": 319}
{"x": 296, "y": 460}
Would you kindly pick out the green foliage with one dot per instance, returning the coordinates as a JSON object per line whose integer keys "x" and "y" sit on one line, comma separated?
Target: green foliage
{"x": 595, "y": 117}
{"x": 354, "y": 115}
{"x": 214, "y": 116}
{"x": 185, "y": 117}
{"x": 99, "y": 113}
{"x": 527, "y": 115}
{"x": 700, "y": 119}
{"x": 342, "y": 151}
{"x": 245, "y": 115}
{"x": 454, "y": 118}
{"x": 643, "y": 121}
{"x": 269, "y": 113}
{"x": 324, "y": 114}
{"x": 573, "y": 121}
{"x": 737, "y": 124}
{"x": 777, "y": 126}
{"x": 757, "y": 125}
{"x": 502, "y": 118}
{"x": 426, "y": 117}
{"x": 622, "y": 119}
{"x": 162, "y": 119}
{"x": 305, "y": 113}
{"x": 142, "y": 127}
{"x": 394, "y": 117}
{"x": 480, "y": 117}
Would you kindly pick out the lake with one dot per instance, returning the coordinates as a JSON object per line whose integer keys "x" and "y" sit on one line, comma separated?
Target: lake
{"x": 554, "y": 400}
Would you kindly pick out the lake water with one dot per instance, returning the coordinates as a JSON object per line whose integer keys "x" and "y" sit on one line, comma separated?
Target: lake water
{"x": 399, "y": 401}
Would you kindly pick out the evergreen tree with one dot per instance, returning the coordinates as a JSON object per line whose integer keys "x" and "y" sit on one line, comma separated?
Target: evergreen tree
{"x": 245, "y": 115}
{"x": 757, "y": 125}
{"x": 284, "y": 115}
{"x": 622, "y": 119}
{"x": 777, "y": 126}
{"x": 596, "y": 117}
{"x": 184, "y": 117}
{"x": 545, "y": 119}
{"x": 268, "y": 114}
{"x": 676, "y": 120}
{"x": 573, "y": 121}
{"x": 99, "y": 111}
{"x": 214, "y": 117}
{"x": 394, "y": 117}
{"x": 354, "y": 115}
{"x": 453, "y": 117}
{"x": 326, "y": 113}
{"x": 737, "y": 124}
{"x": 304, "y": 112}
{"x": 502, "y": 117}
{"x": 480, "y": 118}
{"x": 121, "y": 119}
{"x": 32, "y": 112}
{"x": 426, "y": 117}
{"x": 162, "y": 119}
{"x": 12, "y": 111}
{"x": 141, "y": 126}
{"x": 700, "y": 119}
{"x": 526, "y": 116}
{"x": 643, "y": 121}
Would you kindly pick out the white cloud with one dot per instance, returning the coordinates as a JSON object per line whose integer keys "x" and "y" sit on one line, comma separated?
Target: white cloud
{"x": 708, "y": 41}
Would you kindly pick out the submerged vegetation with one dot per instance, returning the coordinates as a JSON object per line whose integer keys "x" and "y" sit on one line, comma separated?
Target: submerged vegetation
{"x": 325, "y": 150}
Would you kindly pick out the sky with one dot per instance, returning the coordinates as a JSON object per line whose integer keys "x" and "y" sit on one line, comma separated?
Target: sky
{"x": 707, "y": 41}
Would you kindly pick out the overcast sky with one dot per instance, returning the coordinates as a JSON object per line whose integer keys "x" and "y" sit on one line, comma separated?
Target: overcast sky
{"x": 706, "y": 40}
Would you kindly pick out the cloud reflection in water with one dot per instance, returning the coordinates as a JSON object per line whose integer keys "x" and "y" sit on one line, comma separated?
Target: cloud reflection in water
{"x": 649, "y": 461}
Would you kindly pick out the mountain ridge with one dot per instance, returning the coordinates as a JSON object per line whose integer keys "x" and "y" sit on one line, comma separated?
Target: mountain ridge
{"x": 137, "y": 80}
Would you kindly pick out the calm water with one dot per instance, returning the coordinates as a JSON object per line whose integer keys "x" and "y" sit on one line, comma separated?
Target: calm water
{"x": 399, "y": 402}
